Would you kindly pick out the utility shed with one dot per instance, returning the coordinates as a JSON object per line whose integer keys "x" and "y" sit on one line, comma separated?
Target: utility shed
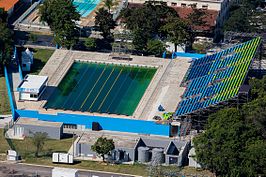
{"x": 54, "y": 130}
{"x": 32, "y": 87}
{"x": 64, "y": 172}
{"x": 27, "y": 60}
{"x": 124, "y": 147}
{"x": 164, "y": 150}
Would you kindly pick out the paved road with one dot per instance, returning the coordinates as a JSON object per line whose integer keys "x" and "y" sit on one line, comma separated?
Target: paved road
{"x": 6, "y": 169}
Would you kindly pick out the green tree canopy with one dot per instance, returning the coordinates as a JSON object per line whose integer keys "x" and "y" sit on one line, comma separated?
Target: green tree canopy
{"x": 140, "y": 40}
{"x": 3, "y": 15}
{"x": 90, "y": 43}
{"x": 39, "y": 139}
{"x": 148, "y": 18}
{"x": 230, "y": 146}
{"x": 103, "y": 146}
{"x": 61, "y": 16}
{"x": 5, "y": 41}
{"x": 155, "y": 47}
{"x": 178, "y": 31}
{"x": 105, "y": 22}
{"x": 245, "y": 17}
{"x": 234, "y": 143}
{"x": 108, "y": 4}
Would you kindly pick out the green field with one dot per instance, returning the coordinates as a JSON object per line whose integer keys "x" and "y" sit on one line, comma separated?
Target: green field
{"x": 41, "y": 56}
{"x": 26, "y": 148}
{"x": 4, "y": 102}
{"x": 104, "y": 88}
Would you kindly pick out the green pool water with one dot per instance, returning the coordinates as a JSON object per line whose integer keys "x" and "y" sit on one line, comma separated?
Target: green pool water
{"x": 104, "y": 88}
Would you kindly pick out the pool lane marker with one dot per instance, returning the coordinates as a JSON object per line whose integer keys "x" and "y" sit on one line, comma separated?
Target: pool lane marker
{"x": 128, "y": 88}
{"x": 81, "y": 91}
{"x": 69, "y": 96}
{"x": 110, "y": 89}
{"x": 118, "y": 91}
{"x": 102, "y": 88}
{"x": 92, "y": 88}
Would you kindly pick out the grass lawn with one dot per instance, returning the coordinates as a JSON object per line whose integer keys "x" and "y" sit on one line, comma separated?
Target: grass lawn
{"x": 26, "y": 148}
{"x": 3, "y": 145}
{"x": 41, "y": 56}
{"x": 4, "y": 102}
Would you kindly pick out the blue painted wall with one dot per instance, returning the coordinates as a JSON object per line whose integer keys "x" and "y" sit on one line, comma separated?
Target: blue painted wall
{"x": 190, "y": 55}
{"x": 107, "y": 123}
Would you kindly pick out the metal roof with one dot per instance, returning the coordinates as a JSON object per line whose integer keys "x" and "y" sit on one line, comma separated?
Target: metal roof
{"x": 32, "y": 83}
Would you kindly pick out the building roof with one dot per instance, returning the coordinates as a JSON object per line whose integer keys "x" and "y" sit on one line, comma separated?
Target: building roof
{"x": 37, "y": 122}
{"x": 7, "y": 4}
{"x": 210, "y": 18}
{"x": 32, "y": 83}
{"x": 120, "y": 141}
{"x": 68, "y": 171}
{"x": 162, "y": 143}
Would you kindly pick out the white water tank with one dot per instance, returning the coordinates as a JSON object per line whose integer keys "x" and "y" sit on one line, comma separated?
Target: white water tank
{"x": 157, "y": 155}
{"x": 143, "y": 154}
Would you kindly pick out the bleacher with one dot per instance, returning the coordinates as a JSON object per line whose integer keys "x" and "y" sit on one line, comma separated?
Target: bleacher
{"x": 216, "y": 78}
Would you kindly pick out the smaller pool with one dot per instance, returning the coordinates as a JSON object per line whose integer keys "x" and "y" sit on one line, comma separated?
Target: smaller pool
{"x": 85, "y": 7}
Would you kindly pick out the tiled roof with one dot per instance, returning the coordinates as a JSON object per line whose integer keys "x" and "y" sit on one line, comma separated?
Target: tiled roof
{"x": 210, "y": 19}
{"x": 7, "y": 4}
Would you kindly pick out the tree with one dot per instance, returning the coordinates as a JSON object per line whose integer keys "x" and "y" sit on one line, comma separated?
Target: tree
{"x": 105, "y": 22}
{"x": 230, "y": 146}
{"x": 196, "y": 19}
{"x": 39, "y": 139}
{"x": 178, "y": 31}
{"x": 90, "y": 43}
{"x": 245, "y": 17}
{"x": 61, "y": 16}
{"x": 238, "y": 21}
{"x": 148, "y": 18}
{"x": 103, "y": 146}
{"x": 139, "y": 40}
{"x": 155, "y": 47}
{"x": 3, "y": 15}
{"x": 5, "y": 41}
{"x": 108, "y": 4}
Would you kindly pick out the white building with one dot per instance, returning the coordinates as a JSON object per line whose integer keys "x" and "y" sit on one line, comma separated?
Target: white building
{"x": 27, "y": 60}
{"x": 64, "y": 172}
{"x": 32, "y": 87}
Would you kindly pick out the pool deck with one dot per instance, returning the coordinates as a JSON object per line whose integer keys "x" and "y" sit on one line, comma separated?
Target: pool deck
{"x": 164, "y": 88}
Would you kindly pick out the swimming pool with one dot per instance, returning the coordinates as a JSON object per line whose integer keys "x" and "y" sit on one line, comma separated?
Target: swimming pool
{"x": 85, "y": 7}
{"x": 104, "y": 88}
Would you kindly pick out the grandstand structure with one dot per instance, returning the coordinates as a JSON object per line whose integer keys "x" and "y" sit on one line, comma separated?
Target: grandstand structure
{"x": 215, "y": 79}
